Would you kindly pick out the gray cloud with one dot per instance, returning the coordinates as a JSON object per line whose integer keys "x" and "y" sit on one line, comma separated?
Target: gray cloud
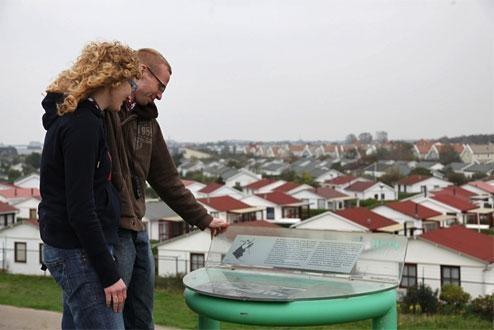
{"x": 271, "y": 70}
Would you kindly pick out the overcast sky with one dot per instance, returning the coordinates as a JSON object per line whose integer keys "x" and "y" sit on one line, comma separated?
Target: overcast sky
{"x": 270, "y": 69}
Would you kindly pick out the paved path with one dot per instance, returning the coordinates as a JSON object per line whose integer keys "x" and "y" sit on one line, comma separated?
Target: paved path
{"x": 15, "y": 318}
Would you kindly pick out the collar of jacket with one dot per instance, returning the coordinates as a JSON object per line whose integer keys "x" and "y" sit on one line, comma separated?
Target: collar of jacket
{"x": 148, "y": 111}
{"x": 91, "y": 106}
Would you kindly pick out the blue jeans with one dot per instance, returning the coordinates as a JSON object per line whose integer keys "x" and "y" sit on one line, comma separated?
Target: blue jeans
{"x": 84, "y": 305}
{"x": 136, "y": 266}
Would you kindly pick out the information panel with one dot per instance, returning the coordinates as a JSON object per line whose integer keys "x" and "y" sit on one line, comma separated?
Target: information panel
{"x": 294, "y": 253}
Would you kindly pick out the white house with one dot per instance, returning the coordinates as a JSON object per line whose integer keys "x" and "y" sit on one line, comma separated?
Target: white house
{"x": 484, "y": 192}
{"x": 30, "y": 181}
{"x": 218, "y": 189}
{"x": 190, "y": 166}
{"x": 335, "y": 200}
{"x": 13, "y": 195}
{"x": 325, "y": 175}
{"x": 5, "y": 185}
{"x": 292, "y": 187}
{"x": 231, "y": 209}
{"x": 183, "y": 254}
{"x": 481, "y": 153}
{"x": 352, "y": 219}
{"x": 370, "y": 189}
{"x": 240, "y": 178}
{"x": 262, "y": 186}
{"x": 416, "y": 217}
{"x": 341, "y": 182}
{"x": 274, "y": 168}
{"x": 299, "y": 150}
{"x": 448, "y": 205}
{"x": 280, "y": 207}
{"x": 21, "y": 249}
{"x": 454, "y": 255}
{"x": 310, "y": 196}
{"x": 193, "y": 186}
{"x": 194, "y": 154}
{"x": 189, "y": 252}
{"x": 28, "y": 207}
{"x": 419, "y": 183}
{"x": 162, "y": 222}
{"x": 7, "y": 215}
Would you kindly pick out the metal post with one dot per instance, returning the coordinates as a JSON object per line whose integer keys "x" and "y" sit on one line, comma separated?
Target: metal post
{"x": 387, "y": 321}
{"x": 205, "y": 323}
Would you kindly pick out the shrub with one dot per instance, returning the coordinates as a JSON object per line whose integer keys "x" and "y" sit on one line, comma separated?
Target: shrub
{"x": 410, "y": 301}
{"x": 421, "y": 296}
{"x": 427, "y": 299}
{"x": 454, "y": 298}
{"x": 483, "y": 306}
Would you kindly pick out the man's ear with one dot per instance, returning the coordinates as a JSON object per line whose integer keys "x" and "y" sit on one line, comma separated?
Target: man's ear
{"x": 142, "y": 68}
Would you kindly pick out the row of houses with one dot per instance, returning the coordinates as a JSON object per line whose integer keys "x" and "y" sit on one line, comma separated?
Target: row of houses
{"x": 468, "y": 153}
{"x": 437, "y": 207}
{"x": 421, "y": 150}
{"x": 321, "y": 170}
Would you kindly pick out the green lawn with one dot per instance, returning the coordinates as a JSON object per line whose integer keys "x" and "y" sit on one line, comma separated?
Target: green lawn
{"x": 42, "y": 293}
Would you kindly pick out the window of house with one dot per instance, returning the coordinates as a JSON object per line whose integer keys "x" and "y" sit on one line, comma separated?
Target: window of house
{"x": 40, "y": 253}
{"x": 321, "y": 203}
{"x": 409, "y": 277}
{"x": 450, "y": 275}
{"x": 376, "y": 196}
{"x": 33, "y": 214}
{"x": 20, "y": 252}
{"x": 215, "y": 214}
{"x": 162, "y": 231}
{"x": 270, "y": 213}
{"x": 196, "y": 261}
{"x": 382, "y": 197}
{"x": 428, "y": 226}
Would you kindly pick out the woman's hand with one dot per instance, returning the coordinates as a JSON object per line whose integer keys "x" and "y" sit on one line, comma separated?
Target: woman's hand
{"x": 115, "y": 295}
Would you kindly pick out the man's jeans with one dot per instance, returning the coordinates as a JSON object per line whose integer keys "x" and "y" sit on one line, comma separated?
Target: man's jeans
{"x": 136, "y": 266}
{"x": 84, "y": 305}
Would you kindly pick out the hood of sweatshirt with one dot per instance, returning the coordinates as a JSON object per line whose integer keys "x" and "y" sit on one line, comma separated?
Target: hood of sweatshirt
{"x": 49, "y": 103}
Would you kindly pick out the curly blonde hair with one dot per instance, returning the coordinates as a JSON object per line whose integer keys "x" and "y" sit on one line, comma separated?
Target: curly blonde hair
{"x": 101, "y": 64}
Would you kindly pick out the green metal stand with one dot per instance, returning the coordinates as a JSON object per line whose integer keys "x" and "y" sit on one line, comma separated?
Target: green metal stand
{"x": 379, "y": 306}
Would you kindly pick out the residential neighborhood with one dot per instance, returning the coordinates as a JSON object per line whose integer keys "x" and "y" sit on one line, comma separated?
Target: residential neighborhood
{"x": 446, "y": 210}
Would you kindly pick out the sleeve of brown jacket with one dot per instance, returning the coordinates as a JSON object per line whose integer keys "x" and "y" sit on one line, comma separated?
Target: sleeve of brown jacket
{"x": 163, "y": 177}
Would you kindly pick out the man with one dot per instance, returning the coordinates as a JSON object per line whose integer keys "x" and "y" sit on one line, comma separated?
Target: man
{"x": 140, "y": 154}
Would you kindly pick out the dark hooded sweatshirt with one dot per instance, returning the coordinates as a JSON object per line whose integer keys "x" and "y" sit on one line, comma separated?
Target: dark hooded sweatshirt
{"x": 79, "y": 207}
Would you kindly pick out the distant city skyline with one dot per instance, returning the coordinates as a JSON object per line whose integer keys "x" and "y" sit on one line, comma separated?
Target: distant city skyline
{"x": 25, "y": 143}
{"x": 271, "y": 70}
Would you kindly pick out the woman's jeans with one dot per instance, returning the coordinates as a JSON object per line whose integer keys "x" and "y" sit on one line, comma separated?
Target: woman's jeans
{"x": 84, "y": 304}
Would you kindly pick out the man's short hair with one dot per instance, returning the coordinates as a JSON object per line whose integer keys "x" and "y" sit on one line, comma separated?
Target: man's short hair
{"x": 153, "y": 59}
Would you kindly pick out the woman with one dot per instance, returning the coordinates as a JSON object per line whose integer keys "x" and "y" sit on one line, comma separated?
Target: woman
{"x": 80, "y": 209}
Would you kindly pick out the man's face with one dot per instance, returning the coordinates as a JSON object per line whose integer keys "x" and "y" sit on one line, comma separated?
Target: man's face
{"x": 152, "y": 84}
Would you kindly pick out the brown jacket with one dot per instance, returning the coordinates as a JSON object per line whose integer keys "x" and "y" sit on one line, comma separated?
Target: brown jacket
{"x": 138, "y": 148}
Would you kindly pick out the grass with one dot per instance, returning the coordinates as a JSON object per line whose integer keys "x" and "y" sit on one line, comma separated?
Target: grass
{"x": 41, "y": 292}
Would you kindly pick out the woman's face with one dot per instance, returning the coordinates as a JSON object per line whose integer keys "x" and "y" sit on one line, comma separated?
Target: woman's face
{"x": 119, "y": 94}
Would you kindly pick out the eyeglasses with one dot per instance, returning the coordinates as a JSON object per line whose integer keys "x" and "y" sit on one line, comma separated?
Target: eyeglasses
{"x": 133, "y": 85}
{"x": 162, "y": 86}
